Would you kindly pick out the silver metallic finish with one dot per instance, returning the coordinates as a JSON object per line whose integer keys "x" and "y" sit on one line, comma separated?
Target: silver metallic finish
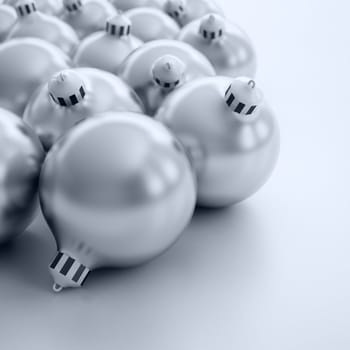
{"x": 105, "y": 50}
{"x": 125, "y": 5}
{"x": 117, "y": 191}
{"x": 51, "y": 7}
{"x": 137, "y": 69}
{"x": 91, "y": 16}
{"x": 25, "y": 64}
{"x": 8, "y": 18}
{"x": 232, "y": 53}
{"x": 21, "y": 156}
{"x": 186, "y": 11}
{"x": 102, "y": 92}
{"x": 233, "y": 153}
{"x": 152, "y": 24}
{"x": 42, "y": 26}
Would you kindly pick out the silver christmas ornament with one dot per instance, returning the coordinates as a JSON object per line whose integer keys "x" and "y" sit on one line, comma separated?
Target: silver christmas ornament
{"x": 87, "y": 16}
{"x": 117, "y": 191}
{"x": 230, "y": 133}
{"x": 25, "y": 64}
{"x": 152, "y": 24}
{"x": 137, "y": 70}
{"x": 51, "y": 7}
{"x": 226, "y": 46}
{"x": 75, "y": 95}
{"x": 8, "y": 18}
{"x": 107, "y": 50}
{"x": 21, "y": 156}
{"x": 35, "y": 24}
{"x": 125, "y": 5}
{"x": 186, "y": 11}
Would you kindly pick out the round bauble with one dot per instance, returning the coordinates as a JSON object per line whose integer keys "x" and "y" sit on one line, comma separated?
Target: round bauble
{"x": 51, "y": 7}
{"x": 151, "y": 24}
{"x": 35, "y": 24}
{"x": 230, "y": 133}
{"x": 117, "y": 191}
{"x": 8, "y": 18}
{"x": 125, "y": 5}
{"x": 108, "y": 49}
{"x": 87, "y": 16}
{"x": 226, "y": 46}
{"x": 21, "y": 156}
{"x": 24, "y": 65}
{"x": 137, "y": 70}
{"x": 74, "y": 95}
{"x": 186, "y": 11}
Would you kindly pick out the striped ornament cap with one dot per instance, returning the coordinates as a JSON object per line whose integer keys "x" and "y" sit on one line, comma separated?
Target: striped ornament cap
{"x": 212, "y": 27}
{"x": 67, "y": 272}
{"x": 118, "y": 25}
{"x": 168, "y": 72}
{"x": 67, "y": 88}
{"x": 243, "y": 97}
{"x": 25, "y": 7}
{"x": 175, "y": 8}
{"x": 72, "y": 5}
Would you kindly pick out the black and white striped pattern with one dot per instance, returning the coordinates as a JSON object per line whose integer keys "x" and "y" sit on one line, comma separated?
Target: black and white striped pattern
{"x": 70, "y": 268}
{"x": 175, "y": 11}
{"x": 167, "y": 85}
{"x": 210, "y": 34}
{"x": 74, "y": 6}
{"x": 26, "y": 8}
{"x": 118, "y": 30}
{"x": 71, "y": 100}
{"x": 237, "y": 106}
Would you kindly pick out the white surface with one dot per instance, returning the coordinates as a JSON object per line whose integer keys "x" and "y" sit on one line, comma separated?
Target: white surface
{"x": 272, "y": 273}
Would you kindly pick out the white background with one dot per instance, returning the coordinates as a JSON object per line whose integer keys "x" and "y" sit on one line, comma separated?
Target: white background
{"x": 270, "y": 274}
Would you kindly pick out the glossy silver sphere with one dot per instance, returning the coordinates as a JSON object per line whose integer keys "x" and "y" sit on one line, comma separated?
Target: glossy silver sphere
{"x": 231, "y": 135}
{"x": 226, "y": 46}
{"x": 117, "y": 191}
{"x": 108, "y": 49}
{"x": 24, "y": 65}
{"x": 8, "y": 18}
{"x": 137, "y": 69}
{"x": 125, "y": 5}
{"x": 21, "y": 156}
{"x": 186, "y": 11}
{"x": 35, "y": 24}
{"x": 51, "y": 7}
{"x": 103, "y": 92}
{"x": 87, "y": 16}
{"x": 151, "y": 24}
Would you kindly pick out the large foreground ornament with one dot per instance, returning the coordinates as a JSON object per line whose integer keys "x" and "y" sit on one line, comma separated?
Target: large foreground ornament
{"x": 117, "y": 191}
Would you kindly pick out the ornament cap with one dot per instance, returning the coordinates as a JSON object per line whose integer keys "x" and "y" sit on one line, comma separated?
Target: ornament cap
{"x": 119, "y": 26}
{"x": 212, "y": 27}
{"x": 168, "y": 71}
{"x": 175, "y": 8}
{"x": 25, "y": 7}
{"x": 67, "y": 88}
{"x": 67, "y": 272}
{"x": 72, "y": 5}
{"x": 243, "y": 97}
